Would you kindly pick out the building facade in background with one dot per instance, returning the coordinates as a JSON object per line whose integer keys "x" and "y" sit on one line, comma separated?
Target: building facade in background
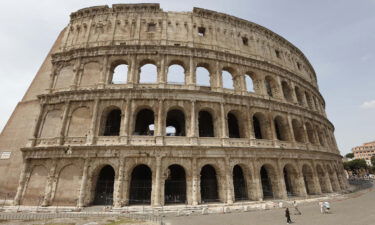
{"x": 208, "y": 108}
{"x": 365, "y": 151}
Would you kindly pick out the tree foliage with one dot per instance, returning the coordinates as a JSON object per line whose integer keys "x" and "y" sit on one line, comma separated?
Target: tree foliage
{"x": 355, "y": 164}
{"x": 373, "y": 160}
{"x": 349, "y": 155}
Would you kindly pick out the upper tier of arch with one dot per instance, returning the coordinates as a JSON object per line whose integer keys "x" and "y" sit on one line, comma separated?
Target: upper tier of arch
{"x": 148, "y": 24}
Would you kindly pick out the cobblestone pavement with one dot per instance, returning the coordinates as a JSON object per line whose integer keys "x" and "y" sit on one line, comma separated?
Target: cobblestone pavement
{"x": 353, "y": 209}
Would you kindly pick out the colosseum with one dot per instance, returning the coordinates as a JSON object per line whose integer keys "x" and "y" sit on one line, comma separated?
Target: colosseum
{"x": 137, "y": 106}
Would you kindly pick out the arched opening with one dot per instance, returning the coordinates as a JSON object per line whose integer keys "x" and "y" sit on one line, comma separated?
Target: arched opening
{"x": 287, "y": 91}
{"x": 298, "y": 131}
{"x": 112, "y": 123}
{"x": 148, "y": 73}
{"x": 203, "y": 76}
{"x": 239, "y": 184}
{"x": 308, "y": 178}
{"x": 249, "y": 83}
{"x": 233, "y": 127}
{"x": 310, "y": 133}
{"x": 175, "y": 124}
{"x": 176, "y": 74}
{"x": 209, "y": 185}
{"x": 260, "y": 126}
{"x": 281, "y": 129}
{"x": 320, "y": 136}
{"x": 175, "y": 185}
{"x": 119, "y": 74}
{"x": 266, "y": 183}
{"x": 333, "y": 179}
{"x": 299, "y": 96}
{"x": 324, "y": 184}
{"x": 227, "y": 79}
{"x": 268, "y": 87}
{"x": 104, "y": 186}
{"x": 290, "y": 178}
{"x": 309, "y": 101}
{"x": 205, "y": 123}
{"x": 140, "y": 185}
{"x": 144, "y": 123}
{"x": 271, "y": 86}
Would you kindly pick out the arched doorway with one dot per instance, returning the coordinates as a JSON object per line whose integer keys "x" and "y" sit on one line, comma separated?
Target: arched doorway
{"x": 104, "y": 186}
{"x": 209, "y": 186}
{"x": 323, "y": 179}
{"x": 266, "y": 183}
{"x": 140, "y": 185}
{"x": 290, "y": 178}
{"x": 308, "y": 178}
{"x": 239, "y": 184}
{"x": 175, "y": 185}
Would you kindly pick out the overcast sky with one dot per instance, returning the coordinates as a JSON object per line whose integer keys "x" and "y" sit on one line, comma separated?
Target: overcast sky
{"x": 337, "y": 36}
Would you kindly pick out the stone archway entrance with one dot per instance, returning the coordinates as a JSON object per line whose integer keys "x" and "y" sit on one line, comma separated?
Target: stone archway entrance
{"x": 140, "y": 185}
{"x": 239, "y": 184}
{"x": 175, "y": 185}
{"x": 104, "y": 186}
{"x": 266, "y": 183}
{"x": 209, "y": 185}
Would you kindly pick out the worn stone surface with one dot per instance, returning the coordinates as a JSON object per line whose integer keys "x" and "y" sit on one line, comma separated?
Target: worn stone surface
{"x": 61, "y": 126}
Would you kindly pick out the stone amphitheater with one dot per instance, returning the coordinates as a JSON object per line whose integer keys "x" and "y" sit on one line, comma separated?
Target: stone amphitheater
{"x": 138, "y": 106}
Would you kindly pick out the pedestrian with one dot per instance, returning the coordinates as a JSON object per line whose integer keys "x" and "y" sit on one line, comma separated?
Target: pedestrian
{"x": 287, "y": 215}
{"x": 321, "y": 207}
{"x": 296, "y": 210}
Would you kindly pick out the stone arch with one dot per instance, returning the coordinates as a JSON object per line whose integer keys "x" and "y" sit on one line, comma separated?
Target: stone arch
{"x": 65, "y": 77}
{"x": 110, "y": 121}
{"x": 140, "y": 185}
{"x": 176, "y": 73}
{"x": 320, "y": 136}
{"x": 281, "y": 128}
{"x": 206, "y": 123}
{"x": 35, "y": 188}
{"x": 298, "y": 131}
{"x": 239, "y": 183}
{"x": 271, "y": 86}
{"x": 251, "y": 82}
{"x": 144, "y": 120}
{"x": 209, "y": 186}
{"x": 148, "y": 71}
{"x": 119, "y": 72}
{"x": 324, "y": 181}
{"x": 91, "y": 74}
{"x": 260, "y": 126}
{"x": 68, "y": 186}
{"x": 299, "y": 95}
{"x": 234, "y": 130}
{"x": 176, "y": 119}
{"x": 308, "y": 178}
{"x": 52, "y": 124}
{"x": 333, "y": 178}
{"x": 227, "y": 75}
{"x": 287, "y": 91}
{"x": 203, "y": 74}
{"x": 308, "y": 100}
{"x": 290, "y": 175}
{"x": 310, "y": 133}
{"x": 269, "y": 181}
{"x": 175, "y": 187}
{"x": 103, "y": 182}
{"x": 79, "y": 125}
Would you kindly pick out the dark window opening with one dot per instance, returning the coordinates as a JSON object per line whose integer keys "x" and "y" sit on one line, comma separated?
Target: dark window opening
{"x": 277, "y": 130}
{"x": 308, "y": 179}
{"x": 113, "y": 123}
{"x": 277, "y": 52}
{"x": 257, "y": 128}
{"x": 175, "y": 119}
{"x": 287, "y": 91}
{"x": 239, "y": 184}
{"x": 209, "y": 185}
{"x": 298, "y": 131}
{"x": 299, "y": 65}
{"x": 266, "y": 183}
{"x": 245, "y": 41}
{"x": 288, "y": 183}
{"x": 144, "y": 123}
{"x": 140, "y": 185}
{"x": 175, "y": 185}
{"x": 268, "y": 87}
{"x": 104, "y": 186}
{"x": 206, "y": 126}
{"x": 151, "y": 27}
{"x": 233, "y": 128}
{"x": 201, "y": 31}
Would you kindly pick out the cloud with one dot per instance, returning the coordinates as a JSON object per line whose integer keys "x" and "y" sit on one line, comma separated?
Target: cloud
{"x": 368, "y": 105}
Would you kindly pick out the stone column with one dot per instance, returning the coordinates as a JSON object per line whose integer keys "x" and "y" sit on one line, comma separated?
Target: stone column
{"x": 94, "y": 121}
{"x": 195, "y": 182}
{"x": 162, "y": 72}
{"x": 190, "y": 75}
{"x": 78, "y": 69}
{"x": 51, "y": 180}
{"x": 282, "y": 187}
{"x": 317, "y": 188}
{"x": 128, "y": 114}
{"x": 104, "y": 73}
{"x": 216, "y": 78}
{"x": 224, "y": 127}
{"x": 293, "y": 139}
{"x": 229, "y": 182}
{"x": 123, "y": 114}
{"x": 64, "y": 122}
{"x": 119, "y": 183}
{"x": 83, "y": 188}
{"x": 22, "y": 181}
{"x": 156, "y": 191}
{"x": 159, "y": 128}
{"x": 37, "y": 125}
{"x": 257, "y": 184}
{"x": 193, "y": 122}
{"x": 300, "y": 182}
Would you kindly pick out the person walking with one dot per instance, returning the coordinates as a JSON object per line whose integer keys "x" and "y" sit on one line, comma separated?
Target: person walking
{"x": 296, "y": 210}
{"x": 321, "y": 207}
{"x": 287, "y": 215}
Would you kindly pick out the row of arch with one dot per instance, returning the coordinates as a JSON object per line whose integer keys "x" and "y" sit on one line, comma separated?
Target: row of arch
{"x": 178, "y": 72}
{"x": 244, "y": 184}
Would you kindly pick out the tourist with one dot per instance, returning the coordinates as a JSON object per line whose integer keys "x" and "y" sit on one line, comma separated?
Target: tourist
{"x": 296, "y": 210}
{"x": 287, "y": 215}
{"x": 321, "y": 207}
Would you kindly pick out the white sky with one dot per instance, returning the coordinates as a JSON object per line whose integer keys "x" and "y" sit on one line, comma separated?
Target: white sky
{"x": 338, "y": 37}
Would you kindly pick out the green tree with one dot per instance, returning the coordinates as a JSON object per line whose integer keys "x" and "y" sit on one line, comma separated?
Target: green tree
{"x": 373, "y": 160}
{"x": 349, "y": 155}
{"x": 355, "y": 164}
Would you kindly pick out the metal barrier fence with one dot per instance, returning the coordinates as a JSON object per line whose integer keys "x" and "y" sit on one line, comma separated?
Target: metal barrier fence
{"x": 361, "y": 183}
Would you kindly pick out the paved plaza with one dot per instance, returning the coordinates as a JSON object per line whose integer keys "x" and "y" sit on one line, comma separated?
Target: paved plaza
{"x": 353, "y": 209}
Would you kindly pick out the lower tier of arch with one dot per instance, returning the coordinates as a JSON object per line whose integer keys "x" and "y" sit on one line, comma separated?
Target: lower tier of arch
{"x": 161, "y": 179}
